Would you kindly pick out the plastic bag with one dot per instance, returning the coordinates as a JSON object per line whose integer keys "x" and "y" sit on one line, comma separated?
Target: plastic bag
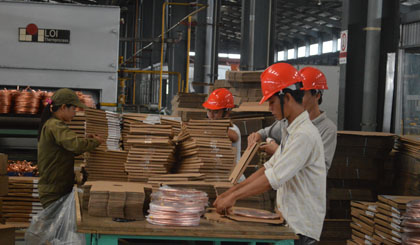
{"x": 56, "y": 224}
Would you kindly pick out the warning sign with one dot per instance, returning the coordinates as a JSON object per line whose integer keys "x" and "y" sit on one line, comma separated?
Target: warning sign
{"x": 343, "y": 48}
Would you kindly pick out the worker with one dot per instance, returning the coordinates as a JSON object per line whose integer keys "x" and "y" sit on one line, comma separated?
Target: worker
{"x": 297, "y": 168}
{"x": 314, "y": 84}
{"x": 219, "y": 105}
{"x": 57, "y": 146}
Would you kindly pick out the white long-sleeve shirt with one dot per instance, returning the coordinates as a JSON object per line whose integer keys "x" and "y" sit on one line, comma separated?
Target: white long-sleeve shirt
{"x": 297, "y": 172}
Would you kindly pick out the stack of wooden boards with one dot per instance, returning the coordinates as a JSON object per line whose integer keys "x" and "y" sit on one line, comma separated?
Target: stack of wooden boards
{"x": 246, "y": 127}
{"x": 407, "y": 180}
{"x": 380, "y": 222}
{"x": 114, "y": 199}
{"x": 22, "y": 201}
{"x": 244, "y": 85}
{"x": 107, "y": 165}
{"x": 105, "y": 124}
{"x": 4, "y": 182}
{"x": 363, "y": 224}
{"x": 206, "y": 149}
{"x": 148, "y": 139}
{"x": 78, "y": 125}
{"x": 157, "y": 180}
{"x": 189, "y": 106}
{"x": 359, "y": 171}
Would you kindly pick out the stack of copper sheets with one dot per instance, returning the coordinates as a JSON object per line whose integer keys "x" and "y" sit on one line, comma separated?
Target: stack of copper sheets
{"x": 177, "y": 207}
{"x": 411, "y": 223}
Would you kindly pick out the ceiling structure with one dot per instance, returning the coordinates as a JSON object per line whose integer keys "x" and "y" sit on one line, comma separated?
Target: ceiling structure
{"x": 296, "y": 22}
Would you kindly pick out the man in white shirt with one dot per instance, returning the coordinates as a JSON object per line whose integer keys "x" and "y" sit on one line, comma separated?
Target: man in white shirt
{"x": 297, "y": 168}
{"x": 314, "y": 84}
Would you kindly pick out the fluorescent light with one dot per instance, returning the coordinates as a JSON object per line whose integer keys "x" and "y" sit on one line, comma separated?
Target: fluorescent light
{"x": 192, "y": 53}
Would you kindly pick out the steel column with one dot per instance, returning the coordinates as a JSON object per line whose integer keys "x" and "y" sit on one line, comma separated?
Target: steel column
{"x": 370, "y": 87}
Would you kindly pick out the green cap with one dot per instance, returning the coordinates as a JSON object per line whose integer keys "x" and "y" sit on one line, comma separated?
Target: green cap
{"x": 65, "y": 96}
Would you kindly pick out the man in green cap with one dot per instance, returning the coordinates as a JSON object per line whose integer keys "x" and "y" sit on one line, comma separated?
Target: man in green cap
{"x": 58, "y": 145}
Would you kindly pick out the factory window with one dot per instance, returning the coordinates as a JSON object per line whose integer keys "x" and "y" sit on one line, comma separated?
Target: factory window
{"x": 280, "y": 56}
{"x": 234, "y": 56}
{"x": 301, "y": 51}
{"x": 313, "y": 49}
{"x": 192, "y": 53}
{"x": 223, "y": 55}
{"x": 338, "y": 44}
{"x": 291, "y": 54}
{"x": 327, "y": 47}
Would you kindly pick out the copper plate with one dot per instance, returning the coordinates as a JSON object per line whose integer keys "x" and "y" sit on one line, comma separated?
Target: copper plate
{"x": 255, "y": 213}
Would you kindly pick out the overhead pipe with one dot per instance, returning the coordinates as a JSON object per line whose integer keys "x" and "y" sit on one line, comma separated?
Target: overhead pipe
{"x": 188, "y": 56}
{"x": 178, "y": 74}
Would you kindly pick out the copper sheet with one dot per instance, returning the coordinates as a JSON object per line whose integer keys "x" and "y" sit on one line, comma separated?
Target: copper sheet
{"x": 176, "y": 207}
{"x": 255, "y": 213}
{"x": 173, "y": 222}
{"x": 414, "y": 205}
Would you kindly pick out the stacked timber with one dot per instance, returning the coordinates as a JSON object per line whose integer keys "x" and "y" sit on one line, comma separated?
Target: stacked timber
{"x": 359, "y": 171}
{"x": 205, "y": 148}
{"x": 151, "y": 151}
{"x": 78, "y": 125}
{"x": 22, "y": 201}
{"x": 244, "y": 85}
{"x": 105, "y": 124}
{"x": 189, "y": 106}
{"x": 363, "y": 224}
{"x": 4, "y": 182}
{"x": 408, "y": 166}
{"x": 115, "y": 199}
{"x": 389, "y": 218}
{"x": 107, "y": 165}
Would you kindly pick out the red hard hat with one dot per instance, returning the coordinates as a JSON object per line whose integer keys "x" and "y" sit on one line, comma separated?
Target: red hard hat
{"x": 276, "y": 78}
{"x": 220, "y": 99}
{"x": 313, "y": 78}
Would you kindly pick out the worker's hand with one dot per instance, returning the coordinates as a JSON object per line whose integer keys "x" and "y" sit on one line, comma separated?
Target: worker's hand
{"x": 220, "y": 197}
{"x": 254, "y": 138}
{"x": 270, "y": 148}
{"x": 224, "y": 204}
{"x": 98, "y": 138}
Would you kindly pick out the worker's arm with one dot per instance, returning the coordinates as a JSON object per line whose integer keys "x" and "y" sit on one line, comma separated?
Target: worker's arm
{"x": 270, "y": 148}
{"x": 247, "y": 181}
{"x": 254, "y": 138}
{"x": 68, "y": 139}
{"x": 233, "y": 136}
{"x": 257, "y": 186}
{"x": 329, "y": 139}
